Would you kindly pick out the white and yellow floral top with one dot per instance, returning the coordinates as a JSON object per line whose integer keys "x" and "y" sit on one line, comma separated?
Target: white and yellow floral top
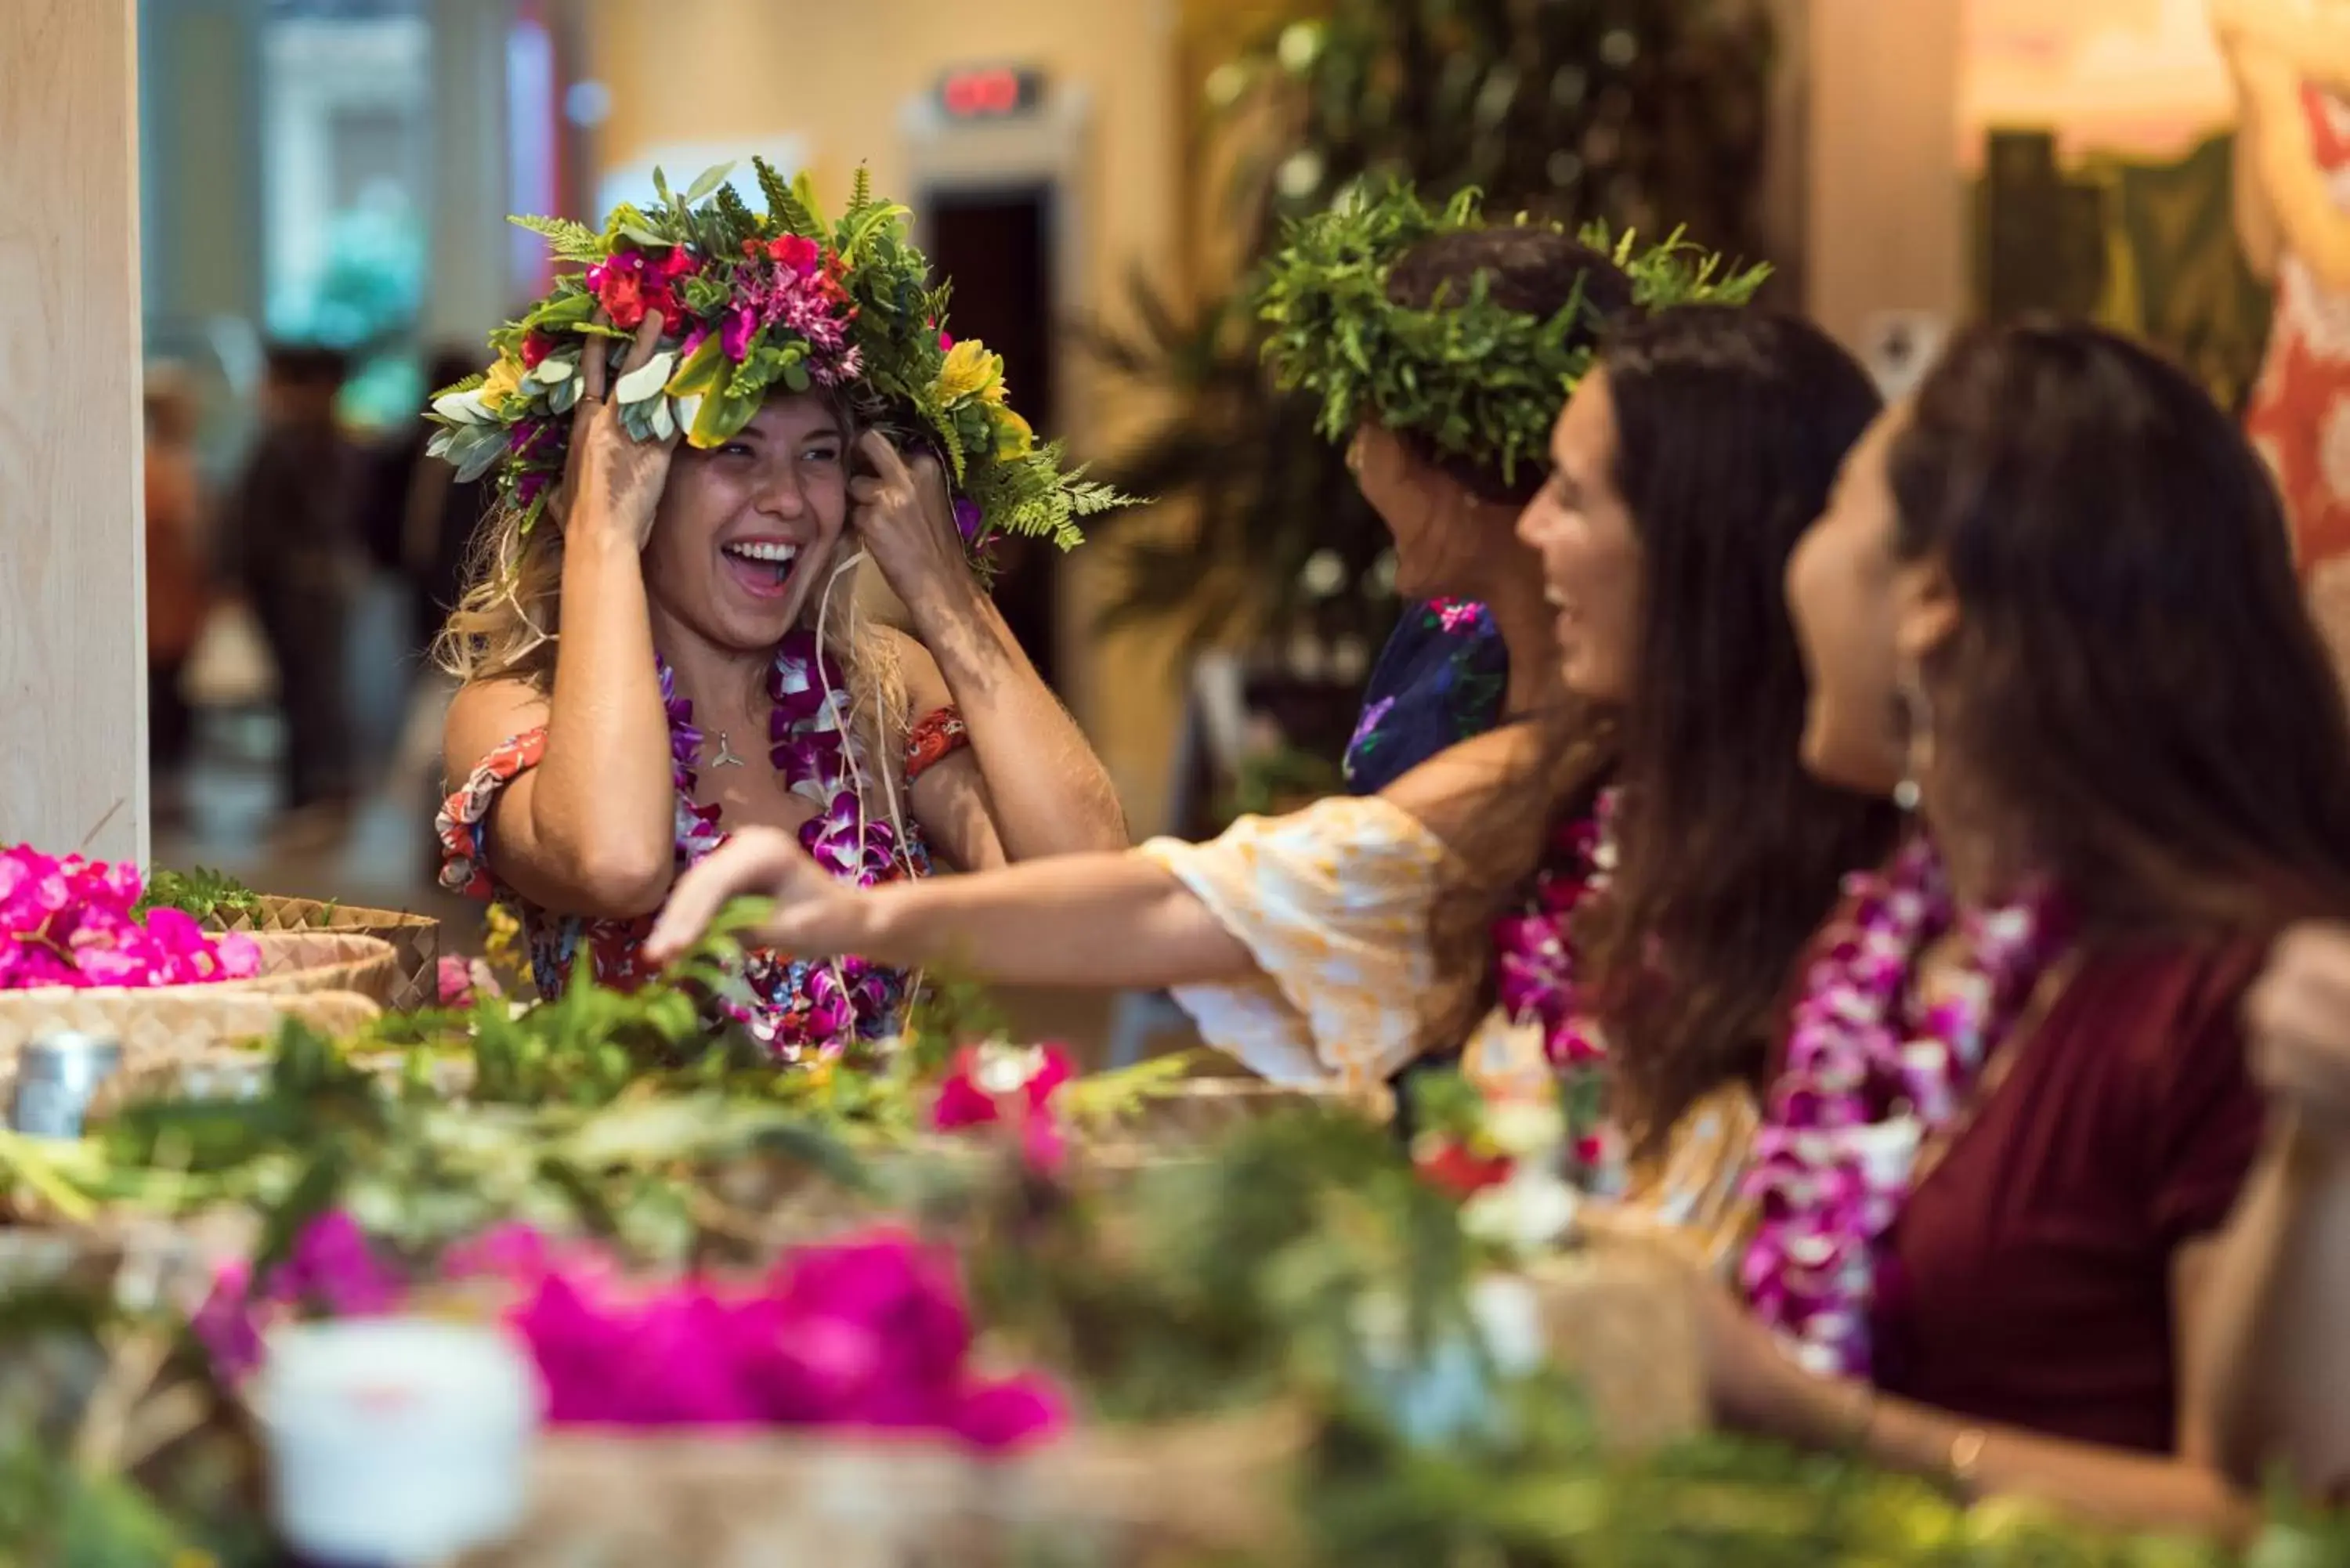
{"x": 1334, "y": 902}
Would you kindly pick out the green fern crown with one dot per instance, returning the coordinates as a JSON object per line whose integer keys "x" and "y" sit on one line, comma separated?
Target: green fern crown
{"x": 753, "y": 305}
{"x": 1472, "y": 378}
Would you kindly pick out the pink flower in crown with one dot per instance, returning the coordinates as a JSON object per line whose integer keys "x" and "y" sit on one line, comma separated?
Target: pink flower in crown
{"x": 742, "y": 323}
{"x": 843, "y": 369}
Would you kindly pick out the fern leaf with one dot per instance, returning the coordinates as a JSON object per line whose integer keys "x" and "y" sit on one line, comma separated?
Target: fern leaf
{"x": 568, "y": 239}
{"x": 787, "y": 212}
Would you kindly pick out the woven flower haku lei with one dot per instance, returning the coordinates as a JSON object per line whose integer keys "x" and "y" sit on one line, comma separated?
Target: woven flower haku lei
{"x": 753, "y": 305}
{"x": 1869, "y": 1076}
{"x": 1472, "y": 378}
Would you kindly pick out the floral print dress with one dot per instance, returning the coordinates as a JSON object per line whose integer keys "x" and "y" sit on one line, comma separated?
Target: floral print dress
{"x": 1439, "y": 682}
{"x": 798, "y": 1009}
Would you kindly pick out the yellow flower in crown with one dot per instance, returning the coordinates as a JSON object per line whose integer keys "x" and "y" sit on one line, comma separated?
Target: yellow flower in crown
{"x": 503, "y": 381}
{"x": 970, "y": 371}
{"x": 1013, "y": 436}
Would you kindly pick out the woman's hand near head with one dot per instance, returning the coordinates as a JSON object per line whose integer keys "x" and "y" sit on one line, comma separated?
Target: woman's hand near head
{"x": 906, "y": 523}
{"x": 1048, "y": 794}
{"x": 591, "y": 830}
{"x": 612, "y": 481}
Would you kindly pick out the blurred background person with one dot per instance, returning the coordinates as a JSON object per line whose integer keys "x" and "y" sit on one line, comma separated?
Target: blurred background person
{"x": 291, "y": 538}
{"x": 419, "y": 522}
{"x": 418, "y": 519}
{"x": 178, "y": 590}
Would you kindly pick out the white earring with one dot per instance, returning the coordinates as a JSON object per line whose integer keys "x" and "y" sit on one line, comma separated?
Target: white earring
{"x": 1917, "y": 708}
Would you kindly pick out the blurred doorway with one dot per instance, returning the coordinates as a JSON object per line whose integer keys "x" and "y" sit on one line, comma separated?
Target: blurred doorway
{"x": 996, "y": 243}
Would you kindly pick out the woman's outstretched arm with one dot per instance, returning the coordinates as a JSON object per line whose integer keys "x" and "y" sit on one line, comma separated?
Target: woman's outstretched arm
{"x": 1105, "y": 921}
{"x": 1101, "y": 920}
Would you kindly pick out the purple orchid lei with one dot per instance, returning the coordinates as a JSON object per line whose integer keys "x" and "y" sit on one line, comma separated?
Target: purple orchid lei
{"x": 819, "y": 1010}
{"x": 1869, "y": 1076}
{"x": 1535, "y": 981}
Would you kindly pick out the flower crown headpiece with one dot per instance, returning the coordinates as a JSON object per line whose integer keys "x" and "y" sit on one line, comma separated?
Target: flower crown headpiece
{"x": 753, "y": 305}
{"x": 1476, "y": 379}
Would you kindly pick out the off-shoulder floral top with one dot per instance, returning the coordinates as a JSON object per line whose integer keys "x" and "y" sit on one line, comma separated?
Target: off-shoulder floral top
{"x": 1333, "y": 902}
{"x": 800, "y": 1009}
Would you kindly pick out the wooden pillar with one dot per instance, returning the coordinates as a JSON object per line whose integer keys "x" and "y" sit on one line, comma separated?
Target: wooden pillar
{"x": 1886, "y": 228}
{"x": 73, "y": 614}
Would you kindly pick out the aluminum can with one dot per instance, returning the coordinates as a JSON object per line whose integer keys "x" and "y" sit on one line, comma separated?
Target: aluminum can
{"x": 57, "y": 1078}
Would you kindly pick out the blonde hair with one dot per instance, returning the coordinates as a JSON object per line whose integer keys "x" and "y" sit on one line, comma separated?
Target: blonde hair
{"x": 508, "y": 620}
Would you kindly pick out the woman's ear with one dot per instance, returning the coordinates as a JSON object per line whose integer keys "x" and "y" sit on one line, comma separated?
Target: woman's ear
{"x": 1925, "y": 610}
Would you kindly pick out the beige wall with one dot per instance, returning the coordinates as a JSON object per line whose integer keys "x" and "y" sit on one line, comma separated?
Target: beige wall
{"x": 839, "y": 74}
{"x": 1884, "y": 225}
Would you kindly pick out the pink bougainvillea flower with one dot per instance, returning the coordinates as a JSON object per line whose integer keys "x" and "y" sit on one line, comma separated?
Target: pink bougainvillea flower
{"x": 986, "y": 1079}
{"x": 868, "y": 1332}
{"x": 75, "y": 922}
{"x": 453, "y": 982}
{"x": 1012, "y": 1413}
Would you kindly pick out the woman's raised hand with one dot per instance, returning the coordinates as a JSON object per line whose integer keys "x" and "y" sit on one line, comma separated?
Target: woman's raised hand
{"x": 612, "y": 482}
{"x": 814, "y": 915}
{"x": 906, "y": 522}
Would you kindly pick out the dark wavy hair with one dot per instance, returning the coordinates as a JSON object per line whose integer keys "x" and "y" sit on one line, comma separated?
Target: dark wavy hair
{"x": 2136, "y": 684}
{"x": 1530, "y": 269}
{"x": 1732, "y": 424}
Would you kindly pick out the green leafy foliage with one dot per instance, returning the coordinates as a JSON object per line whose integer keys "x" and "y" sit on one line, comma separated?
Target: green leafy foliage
{"x": 1647, "y": 113}
{"x": 1472, "y": 378}
{"x": 567, "y": 238}
{"x": 200, "y": 892}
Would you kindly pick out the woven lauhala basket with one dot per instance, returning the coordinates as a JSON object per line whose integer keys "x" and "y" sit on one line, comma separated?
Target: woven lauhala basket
{"x": 1145, "y": 1497}
{"x": 164, "y": 1028}
{"x": 296, "y": 962}
{"x": 415, "y": 941}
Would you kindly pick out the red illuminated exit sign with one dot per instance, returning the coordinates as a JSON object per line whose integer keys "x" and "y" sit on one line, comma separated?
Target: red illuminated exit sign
{"x": 997, "y": 93}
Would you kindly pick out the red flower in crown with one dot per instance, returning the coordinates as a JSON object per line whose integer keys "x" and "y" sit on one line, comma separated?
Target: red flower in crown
{"x": 802, "y": 256}
{"x": 622, "y": 296}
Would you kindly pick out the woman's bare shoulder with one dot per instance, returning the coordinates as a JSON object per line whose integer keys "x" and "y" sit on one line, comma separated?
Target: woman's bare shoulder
{"x": 486, "y": 715}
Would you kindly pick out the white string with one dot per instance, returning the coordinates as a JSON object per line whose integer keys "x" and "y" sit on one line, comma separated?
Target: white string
{"x": 902, "y": 850}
